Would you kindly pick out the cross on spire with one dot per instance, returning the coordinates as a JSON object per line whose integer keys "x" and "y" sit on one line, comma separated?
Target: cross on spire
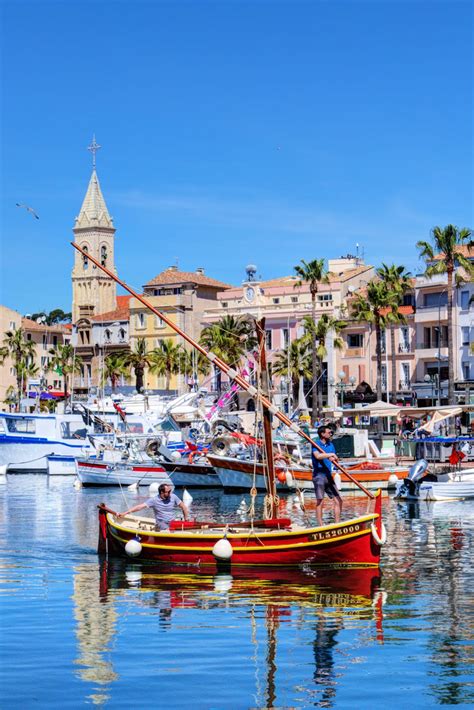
{"x": 93, "y": 147}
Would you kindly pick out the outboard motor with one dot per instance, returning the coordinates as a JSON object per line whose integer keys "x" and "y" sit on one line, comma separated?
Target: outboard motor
{"x": 409, "y": 487}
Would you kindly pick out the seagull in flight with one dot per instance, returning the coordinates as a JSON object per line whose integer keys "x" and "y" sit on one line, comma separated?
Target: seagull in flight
{"x": 28, "y": 209}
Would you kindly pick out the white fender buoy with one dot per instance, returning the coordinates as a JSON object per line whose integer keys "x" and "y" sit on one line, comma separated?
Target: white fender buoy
{"x": 133, "y": 548}
{"x": 133, "y": 487}
{"x": 393, "y": 479}
{"x": 133, "y": 577}
{"x": 187, "y": 498}
{"x": 337, "y": 480}
{"x": 290, "y": 481}
{"x": 222, "y": 550}
{"x": 223, "y": 582}
{"x": 77, "y": 484}
{"x": 153, "y": 488}
{"x": 176, "y": 456}
{"x": 3, "y": 469}
{"x": 383, "y": 538}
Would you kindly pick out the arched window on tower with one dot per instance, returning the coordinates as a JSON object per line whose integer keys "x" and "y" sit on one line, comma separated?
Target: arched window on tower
{"x": 85, "y": 260}
{"x": 103, "y": 255}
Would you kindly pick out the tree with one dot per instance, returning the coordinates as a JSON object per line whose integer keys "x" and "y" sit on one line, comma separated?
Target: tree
{"x": 293, "y": 362}
{"x": 54, "y": 317}
{"x": 442, "y": 257}
{"x": 315, "y": 273}
{"x": 318, "y": 332}
{"x": 376, "y": 307}
{"x": 22, "y": 352}
{"x": 194, "y": 363}
{"x": 230, "y": 338}
{"x": 166, "y": 360}
{"x": 114, "y": 368}
{"x": 138, "y": 359}
{"x": 398, "y": 279}
{"x": 64, "y": 362}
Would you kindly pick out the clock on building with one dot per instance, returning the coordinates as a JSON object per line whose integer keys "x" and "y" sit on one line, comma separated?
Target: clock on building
{"x": 249, "y": 293}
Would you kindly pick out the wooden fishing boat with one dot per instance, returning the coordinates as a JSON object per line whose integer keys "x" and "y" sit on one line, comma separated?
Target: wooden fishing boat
{"x": 276, "y": 541}
{"x": 273, "y": 541}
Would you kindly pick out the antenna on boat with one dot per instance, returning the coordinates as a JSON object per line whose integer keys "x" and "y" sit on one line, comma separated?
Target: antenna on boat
{"x": 223, "y": 367}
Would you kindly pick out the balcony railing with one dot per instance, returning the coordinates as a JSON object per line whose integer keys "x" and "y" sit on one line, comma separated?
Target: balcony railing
{"x": 404, "y": 348}
{"x": 431, "y": 346}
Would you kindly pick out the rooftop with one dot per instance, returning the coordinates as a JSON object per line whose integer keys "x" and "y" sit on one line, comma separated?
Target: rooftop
{"x": 173, "y": 277}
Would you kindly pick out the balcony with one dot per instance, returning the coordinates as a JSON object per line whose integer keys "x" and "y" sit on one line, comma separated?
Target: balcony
{"x": 354, "y": 352}
{"x": 431, "y": 314}
{"x": 432, "y": 351}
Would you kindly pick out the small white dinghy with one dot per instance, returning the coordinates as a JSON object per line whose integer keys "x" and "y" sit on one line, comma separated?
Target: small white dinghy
{"x": 459, "y": 486}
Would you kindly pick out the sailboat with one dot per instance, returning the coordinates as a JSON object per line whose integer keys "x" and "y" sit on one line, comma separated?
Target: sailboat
{"x": 270, "y": 541}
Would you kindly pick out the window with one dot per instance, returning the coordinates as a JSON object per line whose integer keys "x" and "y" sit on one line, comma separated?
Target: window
{"x": 12, "y": 325}
{"x": 384, "y": 376}
{"x": 355, "y": 340}
{"x": 44, "y": 361}
{"x": 45, "y": 341}
{"x": 22, "y": 426}
{"x": 224, "y": 304}
{"x": 465, "y": 335}
{"x": 383, "y": 340}
{"x": 121, "y": 335}
{"x": 28, "y": 336}
{"x": 465, "y": 300}
{"x": 276, "y": 300}
{"x": 325, "y": 297}
{"x": 408, "y": 299}
{"x": 405, "y": 375}
{"x": 285, "y": 337}
{"x": 294, "y": 299}
{"x": 466, "y": 370}
{"x": 140, "y": 320}
{"x": 434, "y": 300}
{"x": 103, "y": 255}
{"x": 85, "y": 260}
{"x": 404, "y": 340}
{"x": 268, "y": 339}
{"x": 159, "y": 322}
{"x": 55, "y": 341}
{"x": 107, "y": 335}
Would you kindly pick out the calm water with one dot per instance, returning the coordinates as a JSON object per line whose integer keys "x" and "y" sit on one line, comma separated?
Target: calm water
{"x": 73, "y": 632}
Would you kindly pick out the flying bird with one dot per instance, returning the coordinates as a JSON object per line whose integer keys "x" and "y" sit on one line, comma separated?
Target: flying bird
{"x": 28, "y": 209}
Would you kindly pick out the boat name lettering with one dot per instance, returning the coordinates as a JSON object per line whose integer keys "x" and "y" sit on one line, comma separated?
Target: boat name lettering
{"x": 335, "y": 533}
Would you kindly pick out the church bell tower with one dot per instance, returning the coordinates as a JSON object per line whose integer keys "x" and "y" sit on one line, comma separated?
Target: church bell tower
{"x": 93, "y": 292}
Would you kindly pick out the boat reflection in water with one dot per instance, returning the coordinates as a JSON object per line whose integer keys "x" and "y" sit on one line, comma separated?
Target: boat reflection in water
{"x": 321, "y": 599}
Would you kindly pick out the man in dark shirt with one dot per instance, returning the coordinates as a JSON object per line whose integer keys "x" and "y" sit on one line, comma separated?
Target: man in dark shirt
{"x": 322, "y": 474}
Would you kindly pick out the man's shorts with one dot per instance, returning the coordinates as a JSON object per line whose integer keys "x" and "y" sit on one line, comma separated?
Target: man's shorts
{"x": 324, "y": 485}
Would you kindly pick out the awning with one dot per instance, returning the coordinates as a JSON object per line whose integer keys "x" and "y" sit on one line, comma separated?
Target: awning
{"x": 441, "y": 416}
{"x": 379, "y": 409}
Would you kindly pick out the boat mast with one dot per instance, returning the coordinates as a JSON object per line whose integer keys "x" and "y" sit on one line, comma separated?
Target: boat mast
{"x": 267, "y": 420}
{"x": 223, "y": 366}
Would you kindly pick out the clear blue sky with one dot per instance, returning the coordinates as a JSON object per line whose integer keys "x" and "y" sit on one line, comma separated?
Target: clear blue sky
{"x": 232, "y": 132}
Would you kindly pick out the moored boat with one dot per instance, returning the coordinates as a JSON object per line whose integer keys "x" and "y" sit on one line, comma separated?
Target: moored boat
{"x": 93, "y": 472}
{"x": 61, "y": 465}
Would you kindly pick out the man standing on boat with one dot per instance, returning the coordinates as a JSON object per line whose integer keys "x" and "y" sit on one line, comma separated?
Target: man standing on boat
{"x": 163, "y": 506}
{"x": 322, "y": 474}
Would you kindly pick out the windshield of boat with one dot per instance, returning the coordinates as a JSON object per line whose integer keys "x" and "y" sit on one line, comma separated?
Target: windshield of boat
{"x": 21, "y": 426}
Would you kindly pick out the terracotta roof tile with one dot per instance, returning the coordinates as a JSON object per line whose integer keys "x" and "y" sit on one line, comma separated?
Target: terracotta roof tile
{"x": 28, "y": 324}
{"x": 170, "y": 277}
{"x": 466, "y": 250}
{"x": 117, "y": 314}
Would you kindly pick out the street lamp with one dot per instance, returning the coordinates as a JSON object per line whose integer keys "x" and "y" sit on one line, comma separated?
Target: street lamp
{"x": 341, "y": 386}
{"x": 434, "y": 379}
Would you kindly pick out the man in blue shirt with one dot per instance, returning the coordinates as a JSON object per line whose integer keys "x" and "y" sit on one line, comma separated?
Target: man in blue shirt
{"x": 163, "y": 506}
{"x": 322, "y": 474}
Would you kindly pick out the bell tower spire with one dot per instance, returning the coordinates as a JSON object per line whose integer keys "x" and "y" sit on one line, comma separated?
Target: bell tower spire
{"x": 93, "y": 292}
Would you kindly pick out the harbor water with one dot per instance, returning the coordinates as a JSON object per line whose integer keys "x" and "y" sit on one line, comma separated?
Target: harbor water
{"x": 76, "y": 630}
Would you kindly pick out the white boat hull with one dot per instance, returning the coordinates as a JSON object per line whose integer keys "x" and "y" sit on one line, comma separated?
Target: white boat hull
{"x": 95, "y": 473}
{"x": 61, "y": 465}
{"x": 449, "y": 490}
{"x": 33, "y": 456}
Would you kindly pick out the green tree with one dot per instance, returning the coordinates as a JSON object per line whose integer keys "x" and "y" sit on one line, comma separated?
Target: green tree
{"x": 314, "y": 273}
{"x": 64, "y": 362}
{"x": 58, "y": 316}
{"x": 230, "y": 339}
{"x": 114, "y": 368}
{"x": 443, "y": 256}
{"x": 318, "y": 333}
{"x": 293, "y": 362}
{"x": 375, "y": 307}
{"x": 166, "y": 360}
{"x": 138, "y": 359}
{"x": 22, "y": 352}
{"x": 194, "y": 363}
{"x": 397, "y": 279}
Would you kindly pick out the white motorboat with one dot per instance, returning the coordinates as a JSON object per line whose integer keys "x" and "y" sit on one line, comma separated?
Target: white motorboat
{"x": 59, "y": 465}
{"x": 458, "y": 486}
{"x": 117, "y": 472}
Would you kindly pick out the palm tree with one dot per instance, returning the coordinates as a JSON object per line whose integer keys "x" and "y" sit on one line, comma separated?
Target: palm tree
{"x": 318, "y": 332}
{"x": 194, "y": 363}
{"x": 398, "y": 279}
{"x": 65, "y": 362}
{"x": 114, "y": 368}
{"x": 230, "y": 339}
{"x": 442, "y": 257}
{"x": 21, "y": 351}
{"x": 315, "y": 273}
{"x": 166, "y": 360}
{"x": 376, "y": 307}
{"x": 293, "y": 362}
{"x": 139, "y": 358}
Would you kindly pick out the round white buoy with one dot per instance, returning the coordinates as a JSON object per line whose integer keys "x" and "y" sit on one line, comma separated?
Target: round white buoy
{"x": 133, "y": 548}
{"x": 77, "y": 484}
{"x": 243, "y": 505}
{"x": 222, "y": 550}
{"x": 187, "y": 498}
{"x": 290, "y": 481}
{"x": 133, "y": 577}
{"x": 176, "y": 456}
{"x": 393, "y": 479}
{"x": 337, "y": 480}
{"x": 153, "y": 488}
{"x": 223, "y": 582}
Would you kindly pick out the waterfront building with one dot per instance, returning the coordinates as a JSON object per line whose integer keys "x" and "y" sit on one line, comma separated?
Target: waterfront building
{"x": 184, "y": 296}
{"x": 10, "y": 320}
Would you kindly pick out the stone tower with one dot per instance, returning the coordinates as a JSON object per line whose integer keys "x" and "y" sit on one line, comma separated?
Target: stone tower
{"x": 93, "y": 292}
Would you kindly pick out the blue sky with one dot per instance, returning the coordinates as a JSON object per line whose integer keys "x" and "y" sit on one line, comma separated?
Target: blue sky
{"x": 231, "y": 132}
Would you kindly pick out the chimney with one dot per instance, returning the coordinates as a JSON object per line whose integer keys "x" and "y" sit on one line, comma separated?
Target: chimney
{"x": 173, "y": 268}
{"x": 200, "y": 270}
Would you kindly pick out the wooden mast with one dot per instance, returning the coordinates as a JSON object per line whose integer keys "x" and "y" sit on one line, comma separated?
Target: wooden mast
{"x": 222, "y": 365}
{"x": 267, "y": 419}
